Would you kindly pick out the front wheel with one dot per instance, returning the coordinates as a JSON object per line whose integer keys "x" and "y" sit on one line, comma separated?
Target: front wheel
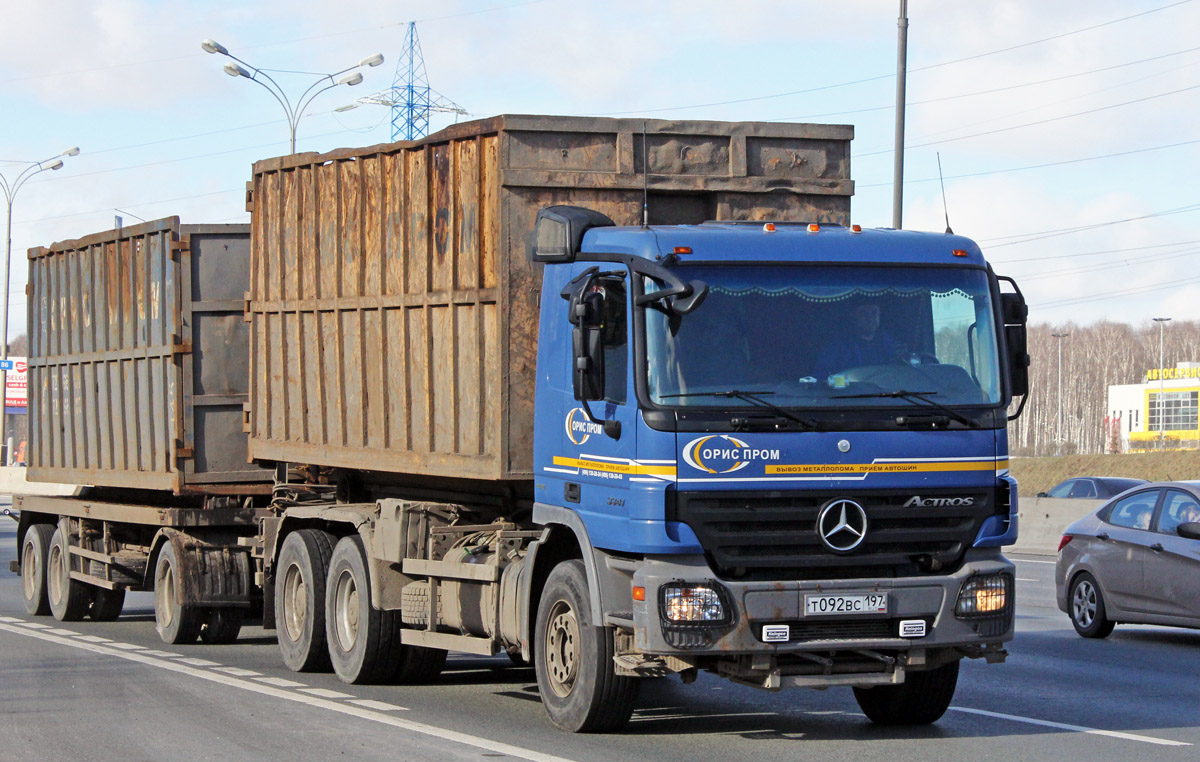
{"x": 1088, "y": 613}
{"x": 573, "y": 658}
{"x": 922, "y": 698}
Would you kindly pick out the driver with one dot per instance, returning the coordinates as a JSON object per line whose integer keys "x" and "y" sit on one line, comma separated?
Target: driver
{"x": 862, "y": 342}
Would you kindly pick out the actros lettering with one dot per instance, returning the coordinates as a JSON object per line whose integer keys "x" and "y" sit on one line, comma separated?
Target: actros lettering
{"x": 916, "y": 501}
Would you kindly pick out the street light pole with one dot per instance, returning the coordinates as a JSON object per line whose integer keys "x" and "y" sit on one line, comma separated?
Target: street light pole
{"x": 1162, "y": 321}
{"x": 10, "y": 195}
{"x": 1059, "y": 438}
{"x": 236, "y": 67}
{"x": 898, "y": 158}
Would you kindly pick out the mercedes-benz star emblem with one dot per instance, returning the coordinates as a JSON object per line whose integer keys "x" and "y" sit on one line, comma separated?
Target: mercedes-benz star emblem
{"x": 842, "y": 525}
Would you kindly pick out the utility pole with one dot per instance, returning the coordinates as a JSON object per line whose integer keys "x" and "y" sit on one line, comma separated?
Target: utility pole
{"x": 1059, "y": 437}
{"x": 901, "y": 68}
{"x": 1162, "y": 424}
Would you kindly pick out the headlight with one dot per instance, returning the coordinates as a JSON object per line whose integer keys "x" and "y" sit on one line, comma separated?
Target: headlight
{"x": 984, "y": 595}
{"x": 681, "y": 603}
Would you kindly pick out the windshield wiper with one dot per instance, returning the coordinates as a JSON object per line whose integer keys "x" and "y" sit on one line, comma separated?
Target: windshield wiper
{"x": 922, "y": 397}
{"x": 753, "y": 399}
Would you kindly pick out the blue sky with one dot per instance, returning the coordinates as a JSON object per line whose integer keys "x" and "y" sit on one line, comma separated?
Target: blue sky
{"x": 1067, "y": 130}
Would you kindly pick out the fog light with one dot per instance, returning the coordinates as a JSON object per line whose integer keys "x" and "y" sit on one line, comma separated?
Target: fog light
{"x": 984, "y": 595}
{"x": 698, "y": 604}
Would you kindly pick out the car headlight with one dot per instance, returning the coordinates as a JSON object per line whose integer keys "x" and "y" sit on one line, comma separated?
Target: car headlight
{"x": 984, "y": 595}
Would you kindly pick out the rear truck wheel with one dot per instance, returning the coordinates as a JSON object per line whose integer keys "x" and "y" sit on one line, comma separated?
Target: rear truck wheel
{"x": 221, "y": 625}
{"x": 922, "y": 698}
{"x": 573, "y": 658}
{"x": 178, "y": 623}
{"x": 106, "y": 604}
{"x": 1087, "y": 609}
{"x": 300, "y": 573}
{"x": 69, "y": 599}
{"x": 34, "y": 548}
{"x": 364, "y": 642}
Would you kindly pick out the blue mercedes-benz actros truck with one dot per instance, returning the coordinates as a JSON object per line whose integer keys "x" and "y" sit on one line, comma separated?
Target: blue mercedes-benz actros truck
{"x": 482, "y": 418}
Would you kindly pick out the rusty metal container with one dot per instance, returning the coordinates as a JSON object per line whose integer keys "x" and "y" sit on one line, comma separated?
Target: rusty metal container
{"x": 392, "y": 303}
{"x": 139, "y": 359}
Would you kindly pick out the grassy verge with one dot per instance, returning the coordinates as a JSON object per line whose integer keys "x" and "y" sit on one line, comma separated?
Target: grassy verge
{"x": 1040, "y": 474}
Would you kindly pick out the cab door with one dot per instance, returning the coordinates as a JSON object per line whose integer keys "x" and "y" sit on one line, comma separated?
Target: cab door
{"x": 1172, "y": 577}
{"x": 1119, "y": 550}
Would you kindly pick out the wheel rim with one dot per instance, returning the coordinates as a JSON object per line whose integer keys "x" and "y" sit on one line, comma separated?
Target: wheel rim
{"x": 164, "y": 594}
{"x": 345, "y": 610}
{"x": 295, "y": 602}
{"x": 54, "y": 575}
{"x": 29, "y": 571}
{"x": 562, "y": 648}
{"x": 1084, "y": 604}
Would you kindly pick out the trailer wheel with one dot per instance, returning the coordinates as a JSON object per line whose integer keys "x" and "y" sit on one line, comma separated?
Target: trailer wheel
{"x": 106, "y": 604}
{"x": 300, "y": 573}
{"x": 69, "y": 598}
{"x": 922, "y": 698}
{"x": 573, "y": 658}
{"x": 221, "y": 625}
{"x": 178, "y": 623}
{"x": 364, "y": 642}
{"x": 34, "y": 548}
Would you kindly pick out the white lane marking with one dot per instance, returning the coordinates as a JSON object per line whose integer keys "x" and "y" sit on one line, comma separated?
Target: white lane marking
{"x": 126, "y": 646}
{"x": 1074, "y": 728}
{"x": 237, "y": 671}
{"x": 10, "y": 620}
{"x": 200, "y": 662}
{"x": 341, "y": 708}
{"x": 1025, "y": 579}
{"x": 279, "y": 682}
{"x": 162, "y": 654}
{"x": 60, "y": 631}
{"x": 323, "y": 693}
{"x": 1031, "y": 561}
{"x": 379, "y": 705}
{"x": 92, "y": 638}
{"x": 35, "y": 625}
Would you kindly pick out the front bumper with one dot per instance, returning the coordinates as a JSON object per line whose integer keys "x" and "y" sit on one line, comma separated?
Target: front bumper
{"x": 756, "y": 605}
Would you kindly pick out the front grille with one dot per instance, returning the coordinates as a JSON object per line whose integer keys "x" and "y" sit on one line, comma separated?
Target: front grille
{"x": 872, "y": 629}
{"x": 773, "y": 534}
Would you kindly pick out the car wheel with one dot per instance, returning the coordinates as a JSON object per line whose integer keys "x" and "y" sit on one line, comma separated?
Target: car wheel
{"x": 1087, "y": 608}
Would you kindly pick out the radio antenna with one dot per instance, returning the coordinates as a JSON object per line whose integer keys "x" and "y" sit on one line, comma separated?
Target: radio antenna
{"x": 945, "y": 209}
{"x": 645, "y": 180}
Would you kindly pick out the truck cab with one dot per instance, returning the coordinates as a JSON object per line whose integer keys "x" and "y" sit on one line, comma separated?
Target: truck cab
{"x": 785, "y": 444}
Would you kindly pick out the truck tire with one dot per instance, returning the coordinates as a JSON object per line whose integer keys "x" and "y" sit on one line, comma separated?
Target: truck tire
{"x": 573, "y": 658}
{"x": 178, "y": 623}
{"x": 34, "y": 548}
{"x": 221, "y": 625}
{"x": 364, "y": 642}
{"x": 922, "y": 698}
{"x": 106, "y": 604}
{"x": 300, "y": 573}
{"x": 69, "y": 599}
{"x": 1086, "y": 606}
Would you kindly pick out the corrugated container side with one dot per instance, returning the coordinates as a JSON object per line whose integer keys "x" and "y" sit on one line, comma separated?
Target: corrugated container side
{"x": 393, "y": 307}
{"x": 119, "y": 323}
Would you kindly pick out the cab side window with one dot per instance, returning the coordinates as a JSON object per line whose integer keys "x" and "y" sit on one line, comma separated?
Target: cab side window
{"x": 1178, "y": 508}
{"x": 615, "y": 333}
{"x": 1134, "y": 511}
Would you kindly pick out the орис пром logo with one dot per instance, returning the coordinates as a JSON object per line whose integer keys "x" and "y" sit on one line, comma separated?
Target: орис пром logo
{"x": 580, "y": 428}
{"x": 723, "y": 454}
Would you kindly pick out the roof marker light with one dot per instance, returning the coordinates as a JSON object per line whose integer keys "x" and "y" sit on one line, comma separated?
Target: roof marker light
{"x": 769, "y": 227}
{"x": 814, "y": 227}
{"x": 682, "y": 250}
{"x": 856, "y": 228}
{"x": 959, "y": 252}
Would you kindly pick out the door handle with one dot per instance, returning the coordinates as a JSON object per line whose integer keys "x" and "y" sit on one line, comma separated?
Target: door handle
{"x": 1102, "y": 536}
{"x": 1157, "y": 547}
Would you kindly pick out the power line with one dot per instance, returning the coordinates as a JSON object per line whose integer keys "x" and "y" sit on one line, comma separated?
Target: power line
{"x": 1107, "y": 265}
{"x": 1028, "y": 237}
{"x": 1091, "y": 253}
{"x": 1111, "y": 294}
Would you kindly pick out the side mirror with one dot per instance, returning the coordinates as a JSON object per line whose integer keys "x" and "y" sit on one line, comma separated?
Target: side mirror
{"x": 558, "y": 232}
{"x": 1015, "y": 314}
{"x": 1189, "y": 530}
{"x": 587, "y": 371}
{"x": 1043, "y": 494}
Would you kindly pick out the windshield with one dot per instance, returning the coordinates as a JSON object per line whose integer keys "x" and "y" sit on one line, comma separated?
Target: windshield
{"x": 821, "y": 336}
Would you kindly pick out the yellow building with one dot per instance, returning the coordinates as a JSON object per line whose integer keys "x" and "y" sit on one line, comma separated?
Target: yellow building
{"x": 1161, "y": 412}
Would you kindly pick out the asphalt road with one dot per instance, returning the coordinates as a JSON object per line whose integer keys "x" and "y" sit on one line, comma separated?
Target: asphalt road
{"x": 114, "y": 691}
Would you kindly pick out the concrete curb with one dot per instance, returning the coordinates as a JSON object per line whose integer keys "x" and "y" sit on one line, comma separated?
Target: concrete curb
{"x": 1041, "y": 521}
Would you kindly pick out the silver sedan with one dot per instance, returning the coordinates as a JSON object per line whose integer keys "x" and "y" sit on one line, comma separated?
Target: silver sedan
{"x": 1135, "y": 560}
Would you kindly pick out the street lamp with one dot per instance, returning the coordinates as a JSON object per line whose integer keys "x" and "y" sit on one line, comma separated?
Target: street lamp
{"x": 10, "y": 194}
{"x": 1059, "y": 437}
{"x": 1162, "y": 321}
{"x": 236, "y": 67}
